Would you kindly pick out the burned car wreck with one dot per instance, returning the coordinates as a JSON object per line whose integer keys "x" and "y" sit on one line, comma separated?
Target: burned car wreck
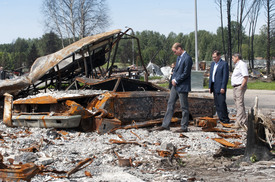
{"x": 72, "y": 89}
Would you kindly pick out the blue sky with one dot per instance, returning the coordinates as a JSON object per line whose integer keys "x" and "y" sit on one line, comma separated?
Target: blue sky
{"x": 23, "y": 18}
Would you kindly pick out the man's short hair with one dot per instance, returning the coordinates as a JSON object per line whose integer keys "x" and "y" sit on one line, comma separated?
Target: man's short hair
{"x": 177, "y": 45}
{"x": 216, "y": 52}
{"x": 238, "y": 55}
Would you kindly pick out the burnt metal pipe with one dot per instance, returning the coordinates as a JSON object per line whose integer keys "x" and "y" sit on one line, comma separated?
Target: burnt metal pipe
{"x": 8, "y": 109}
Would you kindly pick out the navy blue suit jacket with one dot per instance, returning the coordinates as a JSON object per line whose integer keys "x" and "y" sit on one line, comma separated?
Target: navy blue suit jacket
{"x": 221, "y": 77}
{"x": 182, "y": 73}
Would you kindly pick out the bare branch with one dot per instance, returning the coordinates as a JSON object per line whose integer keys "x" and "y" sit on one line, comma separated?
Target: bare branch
{"x": 75, "y": 19}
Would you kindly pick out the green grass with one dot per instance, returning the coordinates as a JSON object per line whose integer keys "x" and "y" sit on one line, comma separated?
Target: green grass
{"x": 252, "y": 84}
{"x": 256, "y": 85}
{"x": 150, "y": 78}
{"x": 165, "y": 85}
{"x": 260, "y": 85}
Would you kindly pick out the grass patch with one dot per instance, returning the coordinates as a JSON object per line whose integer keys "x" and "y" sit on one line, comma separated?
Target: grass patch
{"x": 165, "y": 85}
{"x": 260, "y": 85}
{"x": 150, "y": 78}
{"x": 254, "y": 85}
{"x": 257, "y": 85}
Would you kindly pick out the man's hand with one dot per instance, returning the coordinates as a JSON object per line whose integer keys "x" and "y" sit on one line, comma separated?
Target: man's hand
{"x": 222, "y": 91}
{"x": 174, "y": 83}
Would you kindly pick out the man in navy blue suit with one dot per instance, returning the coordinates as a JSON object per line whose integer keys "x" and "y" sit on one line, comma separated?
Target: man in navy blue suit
{"x": 219, "y": 75}
{"x": 181, "y": 85}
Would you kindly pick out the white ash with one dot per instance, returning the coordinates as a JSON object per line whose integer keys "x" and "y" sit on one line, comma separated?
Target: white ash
{"x": 63, "y": 152}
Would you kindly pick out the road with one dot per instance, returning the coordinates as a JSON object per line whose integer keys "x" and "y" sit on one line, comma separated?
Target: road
{"x": 266, "y": 99}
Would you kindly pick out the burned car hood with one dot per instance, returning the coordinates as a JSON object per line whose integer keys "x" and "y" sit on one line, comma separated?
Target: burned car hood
{"x": 43, "y": 64}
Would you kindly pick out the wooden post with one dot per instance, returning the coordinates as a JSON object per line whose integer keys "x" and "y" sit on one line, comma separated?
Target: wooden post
{"x": 256, "y": 147}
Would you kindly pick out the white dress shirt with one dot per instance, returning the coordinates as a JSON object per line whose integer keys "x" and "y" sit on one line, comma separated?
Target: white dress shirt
{"x": 240, "y": 71}
{"x": 214, "y": 70}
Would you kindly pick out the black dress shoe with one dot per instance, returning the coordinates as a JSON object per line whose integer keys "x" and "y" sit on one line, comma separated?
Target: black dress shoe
{"x": 160, "y": 128}
{"x": 181, "y": 130}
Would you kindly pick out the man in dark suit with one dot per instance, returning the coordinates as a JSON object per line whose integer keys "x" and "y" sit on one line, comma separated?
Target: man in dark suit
{"x": 2, "y": 73}
{"x": 181, "y": 85}
{"x": 219, "y": 74}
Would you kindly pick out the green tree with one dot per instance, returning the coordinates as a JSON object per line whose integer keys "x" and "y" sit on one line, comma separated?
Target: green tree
{"x": 32, "y": 55}
{"x": 20, "y": 54}
{"x": 125, "y": 51}
{"x": 151, "y": 44}
{"x": 190, "y": 44}
{"x": 168, "y": 56}
{"x": 50, "y": 43}
{"x": 205, "y": 44}
{"x": 4, "y": 59}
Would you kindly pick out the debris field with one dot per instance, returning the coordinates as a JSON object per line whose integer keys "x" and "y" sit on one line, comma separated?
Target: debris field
{"x": 137, "y": 154}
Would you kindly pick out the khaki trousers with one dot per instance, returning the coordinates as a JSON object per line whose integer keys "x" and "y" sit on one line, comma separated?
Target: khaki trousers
{"x": 238, "y": 95}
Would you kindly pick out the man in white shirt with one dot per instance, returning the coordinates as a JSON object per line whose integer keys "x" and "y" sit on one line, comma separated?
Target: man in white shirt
{"x": 239, "y": 80}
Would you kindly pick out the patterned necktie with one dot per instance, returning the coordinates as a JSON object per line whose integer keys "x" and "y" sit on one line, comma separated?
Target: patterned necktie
{"x": 178, "y": 60}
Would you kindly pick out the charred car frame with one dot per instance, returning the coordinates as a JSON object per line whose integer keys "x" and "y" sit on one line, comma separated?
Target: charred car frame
{"x": 70, "y": 89}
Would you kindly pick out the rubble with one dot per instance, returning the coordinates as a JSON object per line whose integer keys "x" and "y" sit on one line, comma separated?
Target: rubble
{"x": 140, "y": 154}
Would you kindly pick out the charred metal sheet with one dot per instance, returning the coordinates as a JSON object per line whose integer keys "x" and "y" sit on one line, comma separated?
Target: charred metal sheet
{"x": 46, "y": 121}
{"x": 142, "y": 106}
{"x": 137, "y": 106}
{"x": 200, "y": 106}
{"x": 87, "y": 81}
{"x": 59, "y": 70}
{"x": 37, "y": 100}
{"x": 77, "y": 109}
{"x": 19, "y": 172}
{"x": 44, "y": 64}
{"x": 104, "y": 124}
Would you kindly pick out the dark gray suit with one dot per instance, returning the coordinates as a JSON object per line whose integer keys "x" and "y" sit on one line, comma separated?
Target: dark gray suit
{"x": 182, "y": 76}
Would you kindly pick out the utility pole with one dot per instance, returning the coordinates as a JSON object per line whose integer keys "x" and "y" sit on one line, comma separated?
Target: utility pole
{"x": 196, "y": 37}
